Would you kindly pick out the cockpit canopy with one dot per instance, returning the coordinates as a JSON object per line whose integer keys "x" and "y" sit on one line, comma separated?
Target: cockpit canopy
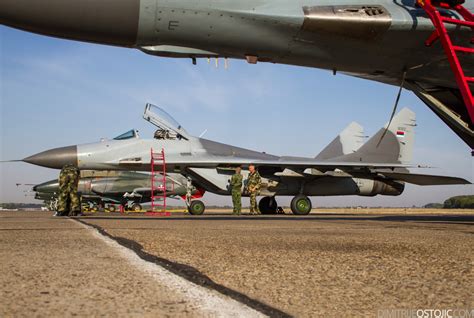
{"x": 168, "y": 127}
{"x": 133, "y": 133}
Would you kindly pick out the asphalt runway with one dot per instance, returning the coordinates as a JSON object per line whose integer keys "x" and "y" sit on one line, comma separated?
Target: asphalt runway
{"x": 317, "y": 265}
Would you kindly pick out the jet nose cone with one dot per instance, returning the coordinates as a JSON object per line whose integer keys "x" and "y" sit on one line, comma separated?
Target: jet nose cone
{"x": 101, "y": 21}
{"x": 54, "y": 158}
{"x": 49, "y": 186}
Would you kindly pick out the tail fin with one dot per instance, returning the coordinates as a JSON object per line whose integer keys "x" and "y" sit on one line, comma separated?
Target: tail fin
{"x": 347, "y": 142}
{"x": 395, "y": 147}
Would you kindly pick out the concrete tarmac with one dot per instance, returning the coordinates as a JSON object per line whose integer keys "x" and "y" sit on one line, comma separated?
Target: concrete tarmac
{"x": 58, "y": 267}
{"x": 317, "y": 265}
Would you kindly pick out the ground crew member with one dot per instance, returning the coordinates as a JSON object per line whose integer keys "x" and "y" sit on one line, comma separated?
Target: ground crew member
{"x": 236, "y": 188}
{"x": 253, "y": 187}
{"x": 68, "y": 199}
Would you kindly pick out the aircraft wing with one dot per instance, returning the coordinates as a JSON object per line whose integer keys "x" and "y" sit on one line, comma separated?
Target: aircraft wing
{"x": 215, "y": 177}
{"x": 287, "y": 162}
{"x": 423, "y": 179}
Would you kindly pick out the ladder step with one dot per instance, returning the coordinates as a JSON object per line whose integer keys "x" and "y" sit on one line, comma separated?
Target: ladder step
{"x": 463, "y": 49}
{"x": 458, "y": 22}
{"x": 451, "y": 50}
{"x": 432, "y": 38}
{"x": 158, "y": 182}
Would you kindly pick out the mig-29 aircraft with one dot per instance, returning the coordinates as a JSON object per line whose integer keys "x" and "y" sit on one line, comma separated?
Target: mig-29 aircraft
{"x": 379, "y": 166}
{"x": 127, "y": 188}
{"x": 380, "y": 40}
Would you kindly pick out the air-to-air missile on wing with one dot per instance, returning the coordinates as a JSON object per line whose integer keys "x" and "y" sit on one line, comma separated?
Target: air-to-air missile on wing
{"x": 126, "y": 188}
{"x": 347, "y": 166}
{"x": 380, "y": 40}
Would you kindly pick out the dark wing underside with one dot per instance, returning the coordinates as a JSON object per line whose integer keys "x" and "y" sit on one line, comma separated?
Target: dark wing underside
{"x": 447, "y": 104}
{"x": 423, "y": 179}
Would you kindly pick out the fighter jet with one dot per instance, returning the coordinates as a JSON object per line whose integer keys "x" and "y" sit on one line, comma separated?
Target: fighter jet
{"x": 129, "y": 189}
{"x": 378, "y": 166}
{"x": 380, "y": 40}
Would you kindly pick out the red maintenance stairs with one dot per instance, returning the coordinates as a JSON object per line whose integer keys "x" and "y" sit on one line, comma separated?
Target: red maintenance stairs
{"x": 158, "y": 184}
{"x": 431, "y": 8}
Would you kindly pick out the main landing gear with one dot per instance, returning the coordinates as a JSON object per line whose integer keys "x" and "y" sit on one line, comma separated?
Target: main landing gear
{"x": 300, "y": 205}
{"x": 268, "y": 205}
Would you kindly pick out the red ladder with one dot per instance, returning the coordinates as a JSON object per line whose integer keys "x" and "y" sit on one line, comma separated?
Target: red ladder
{"x": 449, "y": 49}
{"x": 158, "y": 183}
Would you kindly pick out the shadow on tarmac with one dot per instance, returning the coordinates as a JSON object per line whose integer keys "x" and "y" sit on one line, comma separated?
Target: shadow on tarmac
{"x": 446, "y": 219}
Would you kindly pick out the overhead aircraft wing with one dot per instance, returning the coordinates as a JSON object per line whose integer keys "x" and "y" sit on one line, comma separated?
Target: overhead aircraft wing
{"x": 176, "y": 51}
{"x": 448, "y": 105}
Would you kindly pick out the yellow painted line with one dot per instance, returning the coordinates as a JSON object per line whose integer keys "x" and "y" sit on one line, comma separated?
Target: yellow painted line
{"x": 144, "y": 211}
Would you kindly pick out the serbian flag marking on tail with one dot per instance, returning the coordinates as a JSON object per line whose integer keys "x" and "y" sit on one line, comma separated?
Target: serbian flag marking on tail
{"x": 400, "y": 134}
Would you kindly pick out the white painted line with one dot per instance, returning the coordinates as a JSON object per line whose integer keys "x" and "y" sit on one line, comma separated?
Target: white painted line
{"x": 210, "y": 302}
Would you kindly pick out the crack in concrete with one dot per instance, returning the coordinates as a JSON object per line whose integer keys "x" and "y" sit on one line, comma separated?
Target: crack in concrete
{"x": 191, "y": 274}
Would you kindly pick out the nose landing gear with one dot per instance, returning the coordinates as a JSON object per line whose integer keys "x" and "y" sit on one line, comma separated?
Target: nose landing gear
{"x": 196, "y": 207}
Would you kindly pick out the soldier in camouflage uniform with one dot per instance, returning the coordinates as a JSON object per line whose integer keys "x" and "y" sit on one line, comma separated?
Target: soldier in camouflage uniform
{"x": 236, "y": 188}
{"x": 253, "y": 188}
{"x": 68, "y": 199}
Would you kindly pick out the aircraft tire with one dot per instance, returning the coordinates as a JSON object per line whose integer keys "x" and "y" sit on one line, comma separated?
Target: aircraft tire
{"x": 196, "y": 207}
{"x": 268, "y": 205}
{"x": 111, "y": 208}
{"x": 301, "y": 205}
{"x": 136, "y": 207}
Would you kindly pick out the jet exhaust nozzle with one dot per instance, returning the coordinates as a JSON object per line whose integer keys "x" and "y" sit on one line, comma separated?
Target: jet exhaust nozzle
{"x": 113, "y": 22}
{"x": 55, "y": 158}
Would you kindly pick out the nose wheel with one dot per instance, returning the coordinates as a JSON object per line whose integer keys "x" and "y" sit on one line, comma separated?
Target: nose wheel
{"x": 196, "y": 207}
{"x": 136, "y": 207}
{"x": 301, "y": 205}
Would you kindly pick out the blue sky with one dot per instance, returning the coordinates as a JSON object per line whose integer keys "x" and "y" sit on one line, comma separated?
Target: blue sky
{"x": 57, "y": 93}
